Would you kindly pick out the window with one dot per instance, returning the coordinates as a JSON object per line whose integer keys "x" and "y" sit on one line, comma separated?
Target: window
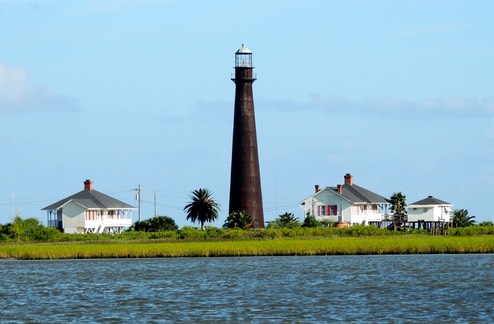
{"x": 327, "y": 210}
{"x": 90, "y": 215}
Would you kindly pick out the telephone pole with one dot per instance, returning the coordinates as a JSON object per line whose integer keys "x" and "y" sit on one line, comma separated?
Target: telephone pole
{"x": 155, "y": 203}
{"x": 138, "y": 198}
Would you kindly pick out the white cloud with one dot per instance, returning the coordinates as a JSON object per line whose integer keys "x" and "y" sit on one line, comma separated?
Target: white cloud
{"x": 18, "y": 94}
{"x": 445, "y": 107}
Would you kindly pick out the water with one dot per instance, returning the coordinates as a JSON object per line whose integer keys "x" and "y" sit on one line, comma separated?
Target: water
{"x": 405, "y": 288}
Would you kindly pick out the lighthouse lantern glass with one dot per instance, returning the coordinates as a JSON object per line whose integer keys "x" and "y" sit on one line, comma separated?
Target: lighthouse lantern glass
{"x": 243, "y": 60}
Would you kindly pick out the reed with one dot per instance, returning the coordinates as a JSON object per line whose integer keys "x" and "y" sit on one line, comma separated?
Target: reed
{"x": 409, "y": 244}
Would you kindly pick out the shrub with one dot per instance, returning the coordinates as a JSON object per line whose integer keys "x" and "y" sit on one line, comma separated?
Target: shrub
{"x": 163, "y": 235}
{"x": 238, "y": 219}
{"x": 235, "y": 233}
{"x": 362, "y": 230}
{"x": 311, "y": 221}
{"x": 270, "y": 233}
{"x": 188, "y": 232}
{"x": 155, "y": 224}
{"x": 214, "y": 232}
{"x": 472, "y": 230}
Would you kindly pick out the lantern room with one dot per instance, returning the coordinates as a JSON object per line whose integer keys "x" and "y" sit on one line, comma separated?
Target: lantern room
{"x": 243, "y": 57}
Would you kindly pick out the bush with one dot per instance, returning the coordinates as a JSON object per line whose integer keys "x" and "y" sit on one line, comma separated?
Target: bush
{"x": 163, "y": 235}
{"x": 270, "y": 233}
{"x": 155, "y": 224}
{"x": 214, "y": 232}
{"x": 311, "y": 221}
{"x": 486, "y": 223}
{"x": 472, "y": 230}
{"x": 236, "y": 233}
{"x": 188, "y": 232}
{"x": 28, "y": 230}
{"x": 362, "y": 230}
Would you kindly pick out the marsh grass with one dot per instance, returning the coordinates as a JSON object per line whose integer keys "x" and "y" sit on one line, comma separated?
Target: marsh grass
{"x": 405, "y": 244}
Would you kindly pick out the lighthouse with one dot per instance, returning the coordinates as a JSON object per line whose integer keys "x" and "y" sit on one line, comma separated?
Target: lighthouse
{"x": 245, "y": 180}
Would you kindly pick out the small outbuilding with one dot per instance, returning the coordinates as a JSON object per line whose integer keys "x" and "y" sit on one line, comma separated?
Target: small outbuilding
{"x": 89, "y": 211}
{"x": 430, "y": 209}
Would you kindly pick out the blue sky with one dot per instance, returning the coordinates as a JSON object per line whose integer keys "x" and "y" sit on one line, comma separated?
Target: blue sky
{"x": 397, "y": 93}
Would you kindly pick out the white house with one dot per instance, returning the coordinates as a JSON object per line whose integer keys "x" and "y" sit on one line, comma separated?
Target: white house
{"x": 89, "y": 211}
{"x": 346, "y": 203}
{"x": 429, "y": 209}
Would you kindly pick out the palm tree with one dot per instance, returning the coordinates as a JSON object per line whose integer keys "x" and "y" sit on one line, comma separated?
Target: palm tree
{"x": 285, "y": 220}
{"x": 398, "y": 203}
{"x": 238, "y": 219}
{"x": 461, "y": 218}
{"x": 202, "y": 207}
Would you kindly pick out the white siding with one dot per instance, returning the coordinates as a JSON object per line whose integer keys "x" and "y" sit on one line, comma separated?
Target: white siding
{"x": 347, "y": 213}
{"x": 73, "y": 218}
{"x": 325, "y": 198}
{"x": 429, "y": 213}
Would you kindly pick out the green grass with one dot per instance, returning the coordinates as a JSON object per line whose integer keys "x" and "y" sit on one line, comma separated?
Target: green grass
{"x": 405, "y": 244}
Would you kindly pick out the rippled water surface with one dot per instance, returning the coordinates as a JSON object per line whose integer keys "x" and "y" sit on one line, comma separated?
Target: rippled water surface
{"x": 408, "y": 288}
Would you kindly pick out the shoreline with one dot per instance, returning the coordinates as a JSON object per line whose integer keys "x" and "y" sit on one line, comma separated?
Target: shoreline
{"x": 272, "y": 247}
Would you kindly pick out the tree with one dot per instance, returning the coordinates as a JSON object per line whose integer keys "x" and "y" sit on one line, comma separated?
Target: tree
{"x": 29, "y": 229}
{"x": 398, "y": 203}
{"x": 202, "y": 207}
{"x": 461, "y": 218}
{"x": 311, "y": 221}
{"x": 238, "y": 219}
{"x": 155, "y": 224}
{"x": 285, "y": 220}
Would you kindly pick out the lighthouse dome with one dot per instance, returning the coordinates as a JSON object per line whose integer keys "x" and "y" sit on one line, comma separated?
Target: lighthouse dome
{"x": 243, "y": 50}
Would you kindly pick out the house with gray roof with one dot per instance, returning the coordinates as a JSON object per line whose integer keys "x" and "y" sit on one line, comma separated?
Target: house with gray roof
{"x": 346, "y": 203}
{"x": 430, "y": 209}
{"x": 89, "y": 211}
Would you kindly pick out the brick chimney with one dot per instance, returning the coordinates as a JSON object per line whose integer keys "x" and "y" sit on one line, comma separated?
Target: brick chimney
{"x": 340, "y": 188}
{"x": 88, "y": 185}
{"x": 317, "y": 188}
{"x": 348, "y": 179}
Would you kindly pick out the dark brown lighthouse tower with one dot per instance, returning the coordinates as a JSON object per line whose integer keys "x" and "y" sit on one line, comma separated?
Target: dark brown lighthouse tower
{"x": 245, "y": 181}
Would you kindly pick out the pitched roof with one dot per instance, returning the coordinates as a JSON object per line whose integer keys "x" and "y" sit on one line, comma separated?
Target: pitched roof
{"x": 430, "y": 201}
{"x": 91, "y": 199}
{"x": 357, "y": 194}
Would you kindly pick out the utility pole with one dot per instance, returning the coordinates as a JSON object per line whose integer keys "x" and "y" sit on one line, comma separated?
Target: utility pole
{"x": 155, "y": 203}
{"x": 138, "y": 197}
{"x": 276, "y": 196}
{"x": 13, "y": 203}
